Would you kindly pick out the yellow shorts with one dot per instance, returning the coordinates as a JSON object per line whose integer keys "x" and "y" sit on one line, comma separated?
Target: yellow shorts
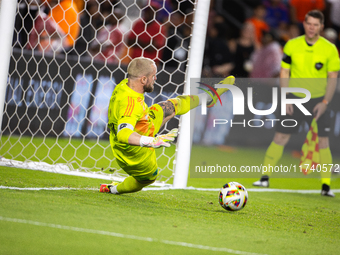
{"x": 149, "y": 177}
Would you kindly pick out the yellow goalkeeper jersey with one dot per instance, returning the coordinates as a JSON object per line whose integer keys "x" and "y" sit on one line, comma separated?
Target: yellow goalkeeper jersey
{"x": 127, "y": 108}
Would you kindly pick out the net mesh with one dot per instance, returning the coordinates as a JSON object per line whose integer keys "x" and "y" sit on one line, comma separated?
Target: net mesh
{"x": 67, "y": 58}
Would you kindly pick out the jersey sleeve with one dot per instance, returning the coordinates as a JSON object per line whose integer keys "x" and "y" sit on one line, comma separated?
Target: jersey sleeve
{"x": 334, "y": 61}
{"x": 287, "y": 56}
{"x": 129, "y": 111}
{"x": 128, "y": 114}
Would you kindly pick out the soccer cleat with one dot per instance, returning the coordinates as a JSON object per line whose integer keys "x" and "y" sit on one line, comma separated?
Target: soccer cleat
{"x": 106, "y": 188}
{"x": 229, "y": 80}
{"x": 263, "y": 182}
{"x": 326, "y": 191}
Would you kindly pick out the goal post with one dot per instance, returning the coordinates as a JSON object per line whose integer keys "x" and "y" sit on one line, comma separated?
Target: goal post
{"x": 7, "y": 17}
{"x": 55, "y": 97}
{"x": 194, "y": 71}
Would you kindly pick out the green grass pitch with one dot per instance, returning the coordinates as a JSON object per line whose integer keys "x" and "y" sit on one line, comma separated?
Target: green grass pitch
{"x": 80, "y": 220}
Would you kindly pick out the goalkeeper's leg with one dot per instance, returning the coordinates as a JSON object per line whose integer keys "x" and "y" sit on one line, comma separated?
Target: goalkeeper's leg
{"x": 183, "y": 104}
{"x": 130, "y": 184}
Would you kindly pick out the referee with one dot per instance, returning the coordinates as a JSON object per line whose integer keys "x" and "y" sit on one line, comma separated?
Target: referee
{"x": 307, "y": 56}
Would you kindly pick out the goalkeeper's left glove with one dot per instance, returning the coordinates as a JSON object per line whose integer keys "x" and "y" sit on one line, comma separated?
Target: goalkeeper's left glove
{"x": 169, "y": 137}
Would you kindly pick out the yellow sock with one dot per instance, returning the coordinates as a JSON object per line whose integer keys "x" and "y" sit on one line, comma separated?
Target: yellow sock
{"x": 130, "y": 185}
{"x": 183, "y": 104}
{"x": 326, "y": 159}
{"x": 273, "y": 155}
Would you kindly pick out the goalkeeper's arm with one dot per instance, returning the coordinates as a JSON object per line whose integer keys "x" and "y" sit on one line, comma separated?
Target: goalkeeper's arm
{"x": 127, "y": 135}
{"x": 159, "y": 141}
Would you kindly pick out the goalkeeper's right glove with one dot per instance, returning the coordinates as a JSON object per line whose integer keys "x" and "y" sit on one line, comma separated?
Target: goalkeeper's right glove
{"x": 159, "y": 141}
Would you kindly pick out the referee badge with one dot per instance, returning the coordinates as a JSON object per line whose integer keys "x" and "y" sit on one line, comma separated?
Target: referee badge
{"x": 318, "y": 65}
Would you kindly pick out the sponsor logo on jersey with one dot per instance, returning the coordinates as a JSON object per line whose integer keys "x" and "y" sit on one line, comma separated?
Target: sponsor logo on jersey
{"x": 318, "y": 65}
{"x": 152, "y": 115}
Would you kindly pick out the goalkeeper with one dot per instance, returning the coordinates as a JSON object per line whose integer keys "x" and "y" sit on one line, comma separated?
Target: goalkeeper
{"x": 133, "y": 125}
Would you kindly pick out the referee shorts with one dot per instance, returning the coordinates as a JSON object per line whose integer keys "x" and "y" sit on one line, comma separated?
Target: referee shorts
{"x": 324, "y": 122}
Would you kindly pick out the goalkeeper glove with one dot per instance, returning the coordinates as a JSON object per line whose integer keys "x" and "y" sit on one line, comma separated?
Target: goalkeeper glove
{"x": 169, "y": 136}
{"x": 159, "y": 141}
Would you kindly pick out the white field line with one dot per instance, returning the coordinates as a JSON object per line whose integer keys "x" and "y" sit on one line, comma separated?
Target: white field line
{"x": 307, "y": 191}
{"x": 45, "y": 188}
{"x": 120, "y": 235}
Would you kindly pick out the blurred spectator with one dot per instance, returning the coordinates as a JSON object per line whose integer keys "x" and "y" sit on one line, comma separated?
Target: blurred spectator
{"x": 277, "y": 16}
{"x": 80, "y": 4}
{"x": 334, "y": 11}
{"x": 90, "y": 21}
{"x": 56, "y": 27}
{"x": 331, "y": 35}
{"x": 266, "y": 61}
{"x": 242, "y": 48}
{"x": 292, "y": 32}
{"x": 164, "y": 9}
{"x": 258, "y": 21}
{"x": 218, "y": 58}
{"x": 299, "y": 8}
{"x": 106, "y": 47}
{"x": 212, "y": 14}
{"x": 147, "y": 37}
{"x": 175, "y": 53}
{"x": 253, "y": 3}
{"x": 65, "y": 14}
{"x": 236, "y": 11}
{"x": 334, "y": 17}
{"x": 45, "y": 35}
{"x": 27, "y": 10}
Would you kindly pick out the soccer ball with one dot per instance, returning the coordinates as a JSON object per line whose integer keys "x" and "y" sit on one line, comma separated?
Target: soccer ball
{"x": 233, "y": 196}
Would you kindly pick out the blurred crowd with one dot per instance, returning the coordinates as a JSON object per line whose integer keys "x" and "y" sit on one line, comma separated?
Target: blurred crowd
{"x": 108, "y": 31}
{"x": 244, "y": 37}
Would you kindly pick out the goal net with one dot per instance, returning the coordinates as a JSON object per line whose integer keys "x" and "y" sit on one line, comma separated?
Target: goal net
{"x": 67, "y": 57}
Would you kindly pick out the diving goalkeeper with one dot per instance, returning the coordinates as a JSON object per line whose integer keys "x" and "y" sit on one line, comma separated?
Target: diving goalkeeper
{"x": 133, "y": 125}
